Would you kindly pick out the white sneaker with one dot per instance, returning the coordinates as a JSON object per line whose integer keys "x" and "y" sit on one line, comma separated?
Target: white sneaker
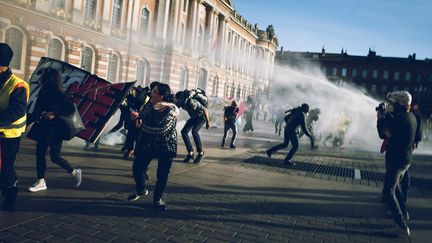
{"x": 39, "y": 185}
{"x": 78, "y": 177}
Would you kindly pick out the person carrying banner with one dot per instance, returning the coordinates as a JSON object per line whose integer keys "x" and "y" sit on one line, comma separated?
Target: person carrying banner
{"x": 14, "y": 95}
{"x": 157, "y": 139}
{"x": 198, "y": 116}
{"x": 48, "y": 129}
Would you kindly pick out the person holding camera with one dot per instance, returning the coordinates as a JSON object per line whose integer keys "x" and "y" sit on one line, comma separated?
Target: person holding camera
{"x": 397, "y": 125}
{"x": 296, "y": 118}
{"x": 157, "y": 139}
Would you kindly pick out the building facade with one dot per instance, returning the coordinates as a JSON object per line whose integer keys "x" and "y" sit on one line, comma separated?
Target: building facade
{"x": 185, "y": 43}
{"x": 376, "y": 74}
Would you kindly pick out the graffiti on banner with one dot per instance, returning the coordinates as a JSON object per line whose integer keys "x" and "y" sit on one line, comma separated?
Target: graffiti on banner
{"x": 96, "y": 99}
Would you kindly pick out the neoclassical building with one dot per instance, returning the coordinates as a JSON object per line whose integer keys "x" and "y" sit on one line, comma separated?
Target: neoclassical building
{"x": 186, "y": 43}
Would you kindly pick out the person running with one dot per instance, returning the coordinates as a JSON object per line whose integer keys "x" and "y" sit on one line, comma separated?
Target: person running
{"x": 49, "y": 129}
{"x": 296, "y": 118}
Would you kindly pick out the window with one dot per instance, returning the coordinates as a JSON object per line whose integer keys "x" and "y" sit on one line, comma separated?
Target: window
{"x": 143, "y": 73}
{"x": 113, "y": 65}
{"x": 375, "y": 74}
{"x": 324, "y": 70}
{"x": 344, "y": 72}
{"x": 354, "y": 73}
{"x": 144, "y": 21}
{"x": 334, "y": 71}
{"x": 87, "y": 59}
{"x": 385, "y": 75}
{"x": 364, "y": 74}
{"x": 185, "y": 5}
{"x": 55, "y": 49}
{"x": 419, "y": 77}
{"x": 373, "y": 88}
{"x": 116, "y": 14}
{"x": 183, "y": 78}
{"x": 90, "y": 10}
{"x": 384, "y": 88}
{"x": 14, "y": 38}
{"x": 396, "y": 75}
{"x": 407, "y": 76}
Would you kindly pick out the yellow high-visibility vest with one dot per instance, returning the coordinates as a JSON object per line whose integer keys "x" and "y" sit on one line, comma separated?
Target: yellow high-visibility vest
{"x": 17, "y": 127}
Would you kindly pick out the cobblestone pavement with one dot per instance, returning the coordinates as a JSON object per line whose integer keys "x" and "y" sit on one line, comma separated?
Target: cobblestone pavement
{"x": 233, "y": 196}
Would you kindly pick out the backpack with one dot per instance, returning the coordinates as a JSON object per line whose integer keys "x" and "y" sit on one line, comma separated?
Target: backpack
{"x": 290, "y": 114}
{"x": 197, "y": 94}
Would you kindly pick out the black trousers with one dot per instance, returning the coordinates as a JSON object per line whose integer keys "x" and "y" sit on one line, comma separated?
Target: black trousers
{"x": 140, "y": 165}
{"x": 9, "y": 149}
{"x": 290, "y": 136}
{"x": 194, "y": 124}
{"x": 227, "y": 127}
{"x": 55, "y": 149}
{"x": 131, "y": 136}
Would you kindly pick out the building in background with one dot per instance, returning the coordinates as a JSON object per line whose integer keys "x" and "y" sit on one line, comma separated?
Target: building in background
{"x": 377, "y": 75}
{"x": 186, "y": 43}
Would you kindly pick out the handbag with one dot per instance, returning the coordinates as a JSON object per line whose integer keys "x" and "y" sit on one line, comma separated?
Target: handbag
{"x": 36, "y": 131}
{"x": 73, "y": 123}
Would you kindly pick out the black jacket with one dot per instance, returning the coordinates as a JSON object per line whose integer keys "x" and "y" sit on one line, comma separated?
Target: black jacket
{"x": 55, "y": 129}
{"x": 297, "y": 119}
{"x": 158, "y": 133}
{"x": 401, "y": 128}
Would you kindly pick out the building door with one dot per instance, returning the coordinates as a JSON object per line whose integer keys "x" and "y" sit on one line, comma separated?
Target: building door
{"x": 202, "y": 79}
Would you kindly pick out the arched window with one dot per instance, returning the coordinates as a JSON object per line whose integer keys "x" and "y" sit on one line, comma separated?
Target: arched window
{"x": 144, "y": 22}
{"x": 143, "y": 73}
{"x": 55, "y": 49}
{"x": 184, "y": 78}
{"x": 90, "y": 10}
{"x": 202, "y": 79}
{"x": 14, "y": 38}
{"x": 113, "y": 66}
{"x": 116, "y": 13}
{"x": 87, "y": 57}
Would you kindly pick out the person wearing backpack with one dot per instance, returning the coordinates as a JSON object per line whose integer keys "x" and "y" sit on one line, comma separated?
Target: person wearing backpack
{"x": 196, "y": 108}
{"x": 295, "y": 118}
{"x": 230, "y": 117}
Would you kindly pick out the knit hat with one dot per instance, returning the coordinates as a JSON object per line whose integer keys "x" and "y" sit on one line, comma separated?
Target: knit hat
{"x": 6, "y": 54}
{"x": 403, "y": 97}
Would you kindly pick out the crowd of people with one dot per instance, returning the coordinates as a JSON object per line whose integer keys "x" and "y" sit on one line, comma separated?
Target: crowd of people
{"x": 149, "y": 118}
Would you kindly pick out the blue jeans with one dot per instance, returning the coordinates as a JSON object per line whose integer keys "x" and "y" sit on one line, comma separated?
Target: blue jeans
{"x": 195, "y": 124}
{"x": 289, "y": 136}
{"x": 393, "y": 194}
{"x": 227, "y": 127}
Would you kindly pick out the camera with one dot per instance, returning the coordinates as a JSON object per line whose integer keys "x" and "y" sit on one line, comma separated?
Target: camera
{"x": 381, "y": 107}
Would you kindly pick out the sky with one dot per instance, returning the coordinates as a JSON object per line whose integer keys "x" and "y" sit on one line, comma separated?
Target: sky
{"x": 392, "y": 28}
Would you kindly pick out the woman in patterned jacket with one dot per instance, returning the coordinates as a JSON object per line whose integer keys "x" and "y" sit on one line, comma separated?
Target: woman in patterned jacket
{"x": 157, "y": 139}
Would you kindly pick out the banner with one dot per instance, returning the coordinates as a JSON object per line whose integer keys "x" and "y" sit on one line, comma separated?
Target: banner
{"x": 97, "y": 99}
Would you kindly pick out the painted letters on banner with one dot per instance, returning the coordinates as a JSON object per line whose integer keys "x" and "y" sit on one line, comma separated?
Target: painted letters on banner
{"x": 96, "y": 99}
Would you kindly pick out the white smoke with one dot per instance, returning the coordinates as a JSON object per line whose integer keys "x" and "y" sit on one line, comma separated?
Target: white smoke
{"x": 292, "y": 87}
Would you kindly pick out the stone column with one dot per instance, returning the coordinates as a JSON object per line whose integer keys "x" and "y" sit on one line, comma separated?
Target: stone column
{"x": 124, "y": 14}
{"x": 176, "y": 20}
{"x": 99, "y": 14}
{"x": 162, "y": 21}
{"x": 193, "y": 17}
{"x": 69, "y": 9}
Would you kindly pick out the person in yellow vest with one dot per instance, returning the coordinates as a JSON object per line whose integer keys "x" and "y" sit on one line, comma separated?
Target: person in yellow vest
{"x": 14, "y": 94}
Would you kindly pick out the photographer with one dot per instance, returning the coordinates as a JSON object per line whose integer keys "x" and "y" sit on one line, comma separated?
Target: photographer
{"x": 398, "y": 126}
